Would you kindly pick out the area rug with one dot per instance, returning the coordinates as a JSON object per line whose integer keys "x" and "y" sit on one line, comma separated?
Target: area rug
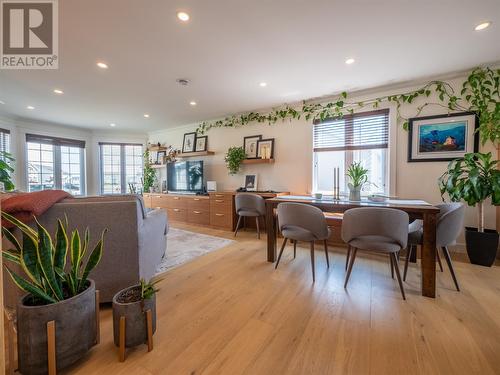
{"x": 184, "y": 246}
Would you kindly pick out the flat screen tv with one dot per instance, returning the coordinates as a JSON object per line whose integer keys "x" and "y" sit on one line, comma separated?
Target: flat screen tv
{"x": 185, "y": 177}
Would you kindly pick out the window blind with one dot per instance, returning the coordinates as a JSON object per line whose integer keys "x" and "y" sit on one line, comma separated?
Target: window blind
{"x": 54, "y": 140}
{"x": 366, "y": 130}
{"x": 4, "y": 140}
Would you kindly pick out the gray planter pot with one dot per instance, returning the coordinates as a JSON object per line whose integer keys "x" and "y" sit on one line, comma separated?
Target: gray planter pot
{"x": 135, "y": 319}
{"x": 75, "y": 324}
{"x": 354, "y": 192}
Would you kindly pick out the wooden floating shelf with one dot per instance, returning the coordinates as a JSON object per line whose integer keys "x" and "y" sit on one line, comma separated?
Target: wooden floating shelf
{"x": 192, "y": 154}
{"x": 157, "y": 148}
{"x": 157, "y": 166}
{"x": 258, "y": 161}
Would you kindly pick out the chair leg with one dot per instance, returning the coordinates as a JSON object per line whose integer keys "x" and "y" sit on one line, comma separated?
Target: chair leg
{"x": 258, "y": 229}
{"x": 294, "y": 248}
{"x": 438, "y": 257}
{"x": 237, "y": 225}
{"x": 312, "y": 261}
{"x": 447, "y": 257}
{"x": 398, "y": 275}
{"x": 281, "y": 253}
{"x": 326, "y": 254}
{"x": 352, "y": 258}
{"x": 409, "y": 253}
{"x": 347, "y": 256}
{"x": 392, "y": 266}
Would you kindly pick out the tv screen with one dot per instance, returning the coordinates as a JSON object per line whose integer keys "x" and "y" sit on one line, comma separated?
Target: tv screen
{"x": 185, "y": 176}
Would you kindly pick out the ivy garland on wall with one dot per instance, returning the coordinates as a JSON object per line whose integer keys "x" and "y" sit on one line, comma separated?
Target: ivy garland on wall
{"x": 480, "y": 94}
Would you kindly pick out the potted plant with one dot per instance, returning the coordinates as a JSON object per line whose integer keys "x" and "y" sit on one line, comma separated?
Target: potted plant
{"x": 5, "y": 170}
{"x": 233, "y": 159}
{"x": 474, "y": 179}
{"x": 359, "y": 177}
{"x": 149, "y": 173}
{"x": 58, "y": 290}
{"x": 132, "y": 303}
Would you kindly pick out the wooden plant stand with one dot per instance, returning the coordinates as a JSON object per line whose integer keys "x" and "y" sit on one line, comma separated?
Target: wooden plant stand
{"x": 149, "y": 328}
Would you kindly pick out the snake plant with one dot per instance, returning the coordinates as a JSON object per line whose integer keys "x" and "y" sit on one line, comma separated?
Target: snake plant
{"x": 358, "y": 174}
{"x": 43, "y": 260}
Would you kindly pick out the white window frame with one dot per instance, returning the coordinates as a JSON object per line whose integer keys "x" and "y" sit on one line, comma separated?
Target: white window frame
{"x": 123, "y": 166}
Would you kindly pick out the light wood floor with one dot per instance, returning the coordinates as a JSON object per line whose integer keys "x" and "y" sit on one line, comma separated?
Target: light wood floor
{"x": 230, "y": 312}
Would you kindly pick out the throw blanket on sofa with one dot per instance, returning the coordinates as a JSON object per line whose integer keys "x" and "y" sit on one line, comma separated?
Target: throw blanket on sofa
{"x": 25, "y": 206}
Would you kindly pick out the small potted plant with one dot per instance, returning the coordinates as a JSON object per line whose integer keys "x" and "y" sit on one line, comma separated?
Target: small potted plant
{"x": 133, "y": 303}
{"x": 234, "y": 158}
{"x": 59, "y": 292}
{"x": 474, "y": 179}
{"x": 359, "y": 177}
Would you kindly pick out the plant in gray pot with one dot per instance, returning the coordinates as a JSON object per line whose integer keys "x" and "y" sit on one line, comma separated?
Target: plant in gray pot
{"x": 134, "y": 315}
{"x": 61, "y": 302}
{"x": 359, "y": 177}
{"x": 474, "y": 179}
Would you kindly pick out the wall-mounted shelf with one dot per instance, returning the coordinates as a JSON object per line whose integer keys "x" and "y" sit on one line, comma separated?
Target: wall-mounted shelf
{"x": 156, "y": 148}
{"x": 192, "y": 154}
{"x": 258, "y": 161}
{"x": 158, "y": 166}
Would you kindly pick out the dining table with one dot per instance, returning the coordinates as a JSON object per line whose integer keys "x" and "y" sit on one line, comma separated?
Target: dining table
{"x": 416, "y": 209}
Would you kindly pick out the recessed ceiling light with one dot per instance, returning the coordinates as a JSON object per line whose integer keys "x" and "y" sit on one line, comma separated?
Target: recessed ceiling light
{"x": 183, "y": 16}
{"x": 193, "y": 103}
{"x": 263, "y": 84}
{"x": 102, "y": 65}
{"x": 482, "y": 26}
{"x": 146, "y": 115}
{"x": 30, "y": 107}
{"x": 112, "y": 124}
{"x": 58, "y": 92}
{"x": 2, "y": 102}
{"x": 349, "y": 61}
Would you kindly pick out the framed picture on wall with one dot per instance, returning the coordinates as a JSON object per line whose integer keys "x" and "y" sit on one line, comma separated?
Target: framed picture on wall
{"x": 265, "y": 148}
{"x": 250, "y": 146}
{"x": 251, "y": 182}
{"x": 189, "y": 143}
{"x": 201, "y": 143}
{"x": 160, "y": 157}
{"x": 442, "y": 137}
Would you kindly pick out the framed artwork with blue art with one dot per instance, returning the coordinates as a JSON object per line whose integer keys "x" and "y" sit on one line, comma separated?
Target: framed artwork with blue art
{"x": 442, "y": 137}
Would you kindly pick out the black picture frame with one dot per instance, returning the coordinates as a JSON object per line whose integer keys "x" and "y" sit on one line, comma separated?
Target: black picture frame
{"x": 187, "y": 137}
{"x": 469, "y": 148}
{"x": 205, "y": 143}
{"x": 247, "y": 140}
{"x": 260, "y": 141}
{"x": 160, "y": 157}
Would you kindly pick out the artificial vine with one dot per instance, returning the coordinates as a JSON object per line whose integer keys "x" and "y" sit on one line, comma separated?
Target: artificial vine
{"x": 480, "y": 94}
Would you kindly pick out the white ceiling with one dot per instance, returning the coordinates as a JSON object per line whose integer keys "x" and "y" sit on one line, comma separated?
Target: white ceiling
{"x": 297, "y": 46}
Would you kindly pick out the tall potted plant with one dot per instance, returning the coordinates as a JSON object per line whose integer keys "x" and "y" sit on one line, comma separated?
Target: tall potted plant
{"x": 58, "y": 291}
{"x": 474, "y": 179}
{"x": 359, "y": 177}
{"x": 149, "y": 173}
{"x": 6, "y": 169}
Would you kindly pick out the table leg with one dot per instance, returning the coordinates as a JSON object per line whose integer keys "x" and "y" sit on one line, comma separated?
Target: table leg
{"x": 271, "y": 233}
{"x": 429, "y": 256}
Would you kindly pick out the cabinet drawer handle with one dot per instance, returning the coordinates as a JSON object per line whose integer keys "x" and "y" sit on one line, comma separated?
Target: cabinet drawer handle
{"x": 157, "y": 196}
{"x": 176, "y": 198}
{"x": 196, "y": 199}
{"x": 219, "y": 214}
{"x": 219, "y": 195}
{"x": 177, "y": 210}
{"x": 197, "y": 212}
{"x": 219, "y": 200}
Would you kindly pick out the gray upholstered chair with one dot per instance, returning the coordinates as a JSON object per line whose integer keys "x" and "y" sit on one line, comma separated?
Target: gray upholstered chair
{"x": 249, "y": 205}
{"x": 302, "y": 222}
{"x": 450, "y": 223}
{"x": 383, "y": 230}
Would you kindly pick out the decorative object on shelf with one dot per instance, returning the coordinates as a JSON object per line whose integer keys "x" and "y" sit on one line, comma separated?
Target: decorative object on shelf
{"x": 160, "y": 157}
{"x": 189, "y": 142}
{"x": 480, "y": 93}
{"x": 250, "y": 146}
{"x": 251, "y": 182}
{"x": 6, "y": 169}
{"x": 234, "y": 157}
{"x": 443, "y": 137}
{"x": 265, "y": 148}
{"x": 61, "y": 303}
{"x": 134, "y": 316}
{"x": 149, "y": 174}
{"x": 474, "y": 179}
{"x": 201, "y": 143}
{"x": 171, "y": 156}
{"x": 359, "y": 177}
{"x": 211, "y": 185}
{"x": 336, "y": 183}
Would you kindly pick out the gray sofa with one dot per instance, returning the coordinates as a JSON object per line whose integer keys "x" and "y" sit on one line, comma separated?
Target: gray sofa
{"x": 133, "y": 247}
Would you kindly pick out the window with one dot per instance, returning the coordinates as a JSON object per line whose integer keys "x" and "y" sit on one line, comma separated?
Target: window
{"x": 362, "y": 137}
{"x": 55, "y": 163}
{"x": 121, "y": 167}
{"x": 4, "y": 140}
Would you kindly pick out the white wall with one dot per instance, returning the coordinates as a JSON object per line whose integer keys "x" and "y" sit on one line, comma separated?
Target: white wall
{"x": 292, "y": 170}
{"x": 20, "y": 127}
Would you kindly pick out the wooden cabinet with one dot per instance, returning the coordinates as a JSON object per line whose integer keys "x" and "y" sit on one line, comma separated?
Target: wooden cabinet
{"x": 222, "y": 213}
{"x": 198, "y": 210}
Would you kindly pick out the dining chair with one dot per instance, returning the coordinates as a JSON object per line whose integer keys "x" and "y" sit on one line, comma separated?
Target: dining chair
{"x": 450, "y": 223}
{"x": 373, "y": 229}
{"x": 302, "y": 222}
{"x": 249, "y": 205}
